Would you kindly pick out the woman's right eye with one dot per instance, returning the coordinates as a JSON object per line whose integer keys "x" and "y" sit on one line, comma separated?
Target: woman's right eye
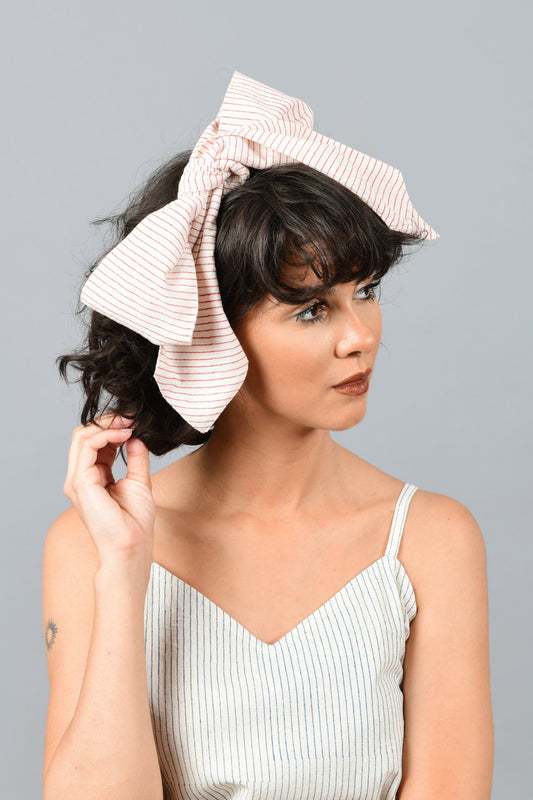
{"x": 319, "y": 303}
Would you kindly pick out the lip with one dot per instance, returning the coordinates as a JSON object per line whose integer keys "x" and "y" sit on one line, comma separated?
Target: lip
{"x": 360, "y": 376}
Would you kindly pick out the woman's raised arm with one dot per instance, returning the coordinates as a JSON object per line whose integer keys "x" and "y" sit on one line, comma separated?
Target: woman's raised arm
{"x": 96, "y": 563}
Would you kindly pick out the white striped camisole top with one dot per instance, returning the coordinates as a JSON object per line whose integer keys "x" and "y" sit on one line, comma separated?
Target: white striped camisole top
{"x": 317, "y": 715}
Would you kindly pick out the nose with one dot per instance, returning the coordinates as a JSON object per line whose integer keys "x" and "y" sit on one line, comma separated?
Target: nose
{"x": 357, "y": 334}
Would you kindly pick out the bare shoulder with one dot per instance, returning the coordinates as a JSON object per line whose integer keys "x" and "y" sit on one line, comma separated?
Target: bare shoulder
{"x": 438, "y": 528}
{"x": 442, "y": 545}
{"x": 68, "y": 535}
{"x": 439, "y": 523}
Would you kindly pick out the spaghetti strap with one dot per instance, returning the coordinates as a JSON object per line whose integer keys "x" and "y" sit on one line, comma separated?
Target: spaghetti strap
{"x": 398, "y": 520}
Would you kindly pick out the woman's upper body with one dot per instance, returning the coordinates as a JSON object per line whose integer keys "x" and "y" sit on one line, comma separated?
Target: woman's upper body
{"x": 270, "y": 518}
{"x": 271, "y": 570}
{"x": 269, "y": 574}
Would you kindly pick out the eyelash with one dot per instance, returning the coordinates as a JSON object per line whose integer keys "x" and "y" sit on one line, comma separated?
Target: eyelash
{"x": 322, "y": 302}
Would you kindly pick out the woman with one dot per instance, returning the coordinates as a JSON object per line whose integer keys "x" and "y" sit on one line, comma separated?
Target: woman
{"x": 270, "y": 616}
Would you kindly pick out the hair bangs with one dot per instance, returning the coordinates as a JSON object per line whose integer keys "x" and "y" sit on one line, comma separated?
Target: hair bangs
{"x": 286, "y": 220}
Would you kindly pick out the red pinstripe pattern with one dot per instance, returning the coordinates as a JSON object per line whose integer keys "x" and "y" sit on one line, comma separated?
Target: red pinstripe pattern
{"x": 160, "y": 280}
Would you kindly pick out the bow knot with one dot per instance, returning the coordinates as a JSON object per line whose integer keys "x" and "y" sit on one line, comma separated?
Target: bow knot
{"x": 212, "y": 169}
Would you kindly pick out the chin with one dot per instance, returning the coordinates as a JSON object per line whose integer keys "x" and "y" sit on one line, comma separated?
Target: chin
{"x": 346, "y": 427}
{"x": 339, "y": 422}
{"x": 346, "y": 421}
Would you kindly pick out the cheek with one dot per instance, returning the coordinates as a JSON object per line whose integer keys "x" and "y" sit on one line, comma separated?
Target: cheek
{"x": 281, "y": 359}
{"x": 293, "y": 362}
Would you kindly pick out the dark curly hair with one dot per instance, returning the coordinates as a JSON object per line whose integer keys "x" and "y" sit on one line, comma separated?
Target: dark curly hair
{"x": 278, "y": 213}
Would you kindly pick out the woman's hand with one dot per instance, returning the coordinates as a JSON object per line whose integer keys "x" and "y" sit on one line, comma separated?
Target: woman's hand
{"x": 119, "y": 515}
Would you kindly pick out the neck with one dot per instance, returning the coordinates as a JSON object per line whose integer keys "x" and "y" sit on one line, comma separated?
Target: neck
{"x": 273, "y": 470}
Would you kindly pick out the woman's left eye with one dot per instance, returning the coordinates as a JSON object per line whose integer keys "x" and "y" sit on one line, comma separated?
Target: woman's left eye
{"x": 370, "y": 295}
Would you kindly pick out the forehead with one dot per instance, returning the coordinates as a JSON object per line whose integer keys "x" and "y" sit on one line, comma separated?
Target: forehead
{"x": 307, "y": 285}
{"x": 305, "y": 281}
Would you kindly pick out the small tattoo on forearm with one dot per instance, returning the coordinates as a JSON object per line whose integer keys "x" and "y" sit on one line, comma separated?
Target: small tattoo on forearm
{"x": 51, "y": 633}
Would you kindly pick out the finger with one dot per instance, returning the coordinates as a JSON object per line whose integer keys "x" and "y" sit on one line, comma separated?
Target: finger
{"x": 138, "y": 461}
{"x": 79, "y": 433}
{"x": 106, "y": 475}
{"x": 73, "y": 453}
{"x": 108, "y": 454}
{"x": 86, "y": 470}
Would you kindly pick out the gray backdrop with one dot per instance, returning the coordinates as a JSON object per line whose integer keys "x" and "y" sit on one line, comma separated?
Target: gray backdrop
{"x": 96, "y": 95}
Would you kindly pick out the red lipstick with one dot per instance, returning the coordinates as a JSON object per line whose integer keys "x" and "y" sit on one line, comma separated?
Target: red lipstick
{"x": 354, "y": 384}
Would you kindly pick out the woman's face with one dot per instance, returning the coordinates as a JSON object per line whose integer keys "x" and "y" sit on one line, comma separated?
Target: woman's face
{"x": 298, "y": 353}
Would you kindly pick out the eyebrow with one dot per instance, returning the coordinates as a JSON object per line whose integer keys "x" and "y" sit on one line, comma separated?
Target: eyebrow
{"x": 321, "y": 289}
{"x": 312, "y": 291}
{"x": 307, "y": 293}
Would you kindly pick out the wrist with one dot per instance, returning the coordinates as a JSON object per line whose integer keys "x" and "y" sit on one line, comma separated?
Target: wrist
{"x": 128, "y": 576}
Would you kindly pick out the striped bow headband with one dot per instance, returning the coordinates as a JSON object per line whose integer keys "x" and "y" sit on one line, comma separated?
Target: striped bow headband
{"x": 160, "y": 280}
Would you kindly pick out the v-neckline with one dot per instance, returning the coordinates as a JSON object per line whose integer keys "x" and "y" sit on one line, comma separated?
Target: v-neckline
{"x": 292, "y": 632}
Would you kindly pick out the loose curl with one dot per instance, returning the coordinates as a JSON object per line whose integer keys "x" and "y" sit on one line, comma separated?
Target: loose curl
{"x": 281, "y": 222}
